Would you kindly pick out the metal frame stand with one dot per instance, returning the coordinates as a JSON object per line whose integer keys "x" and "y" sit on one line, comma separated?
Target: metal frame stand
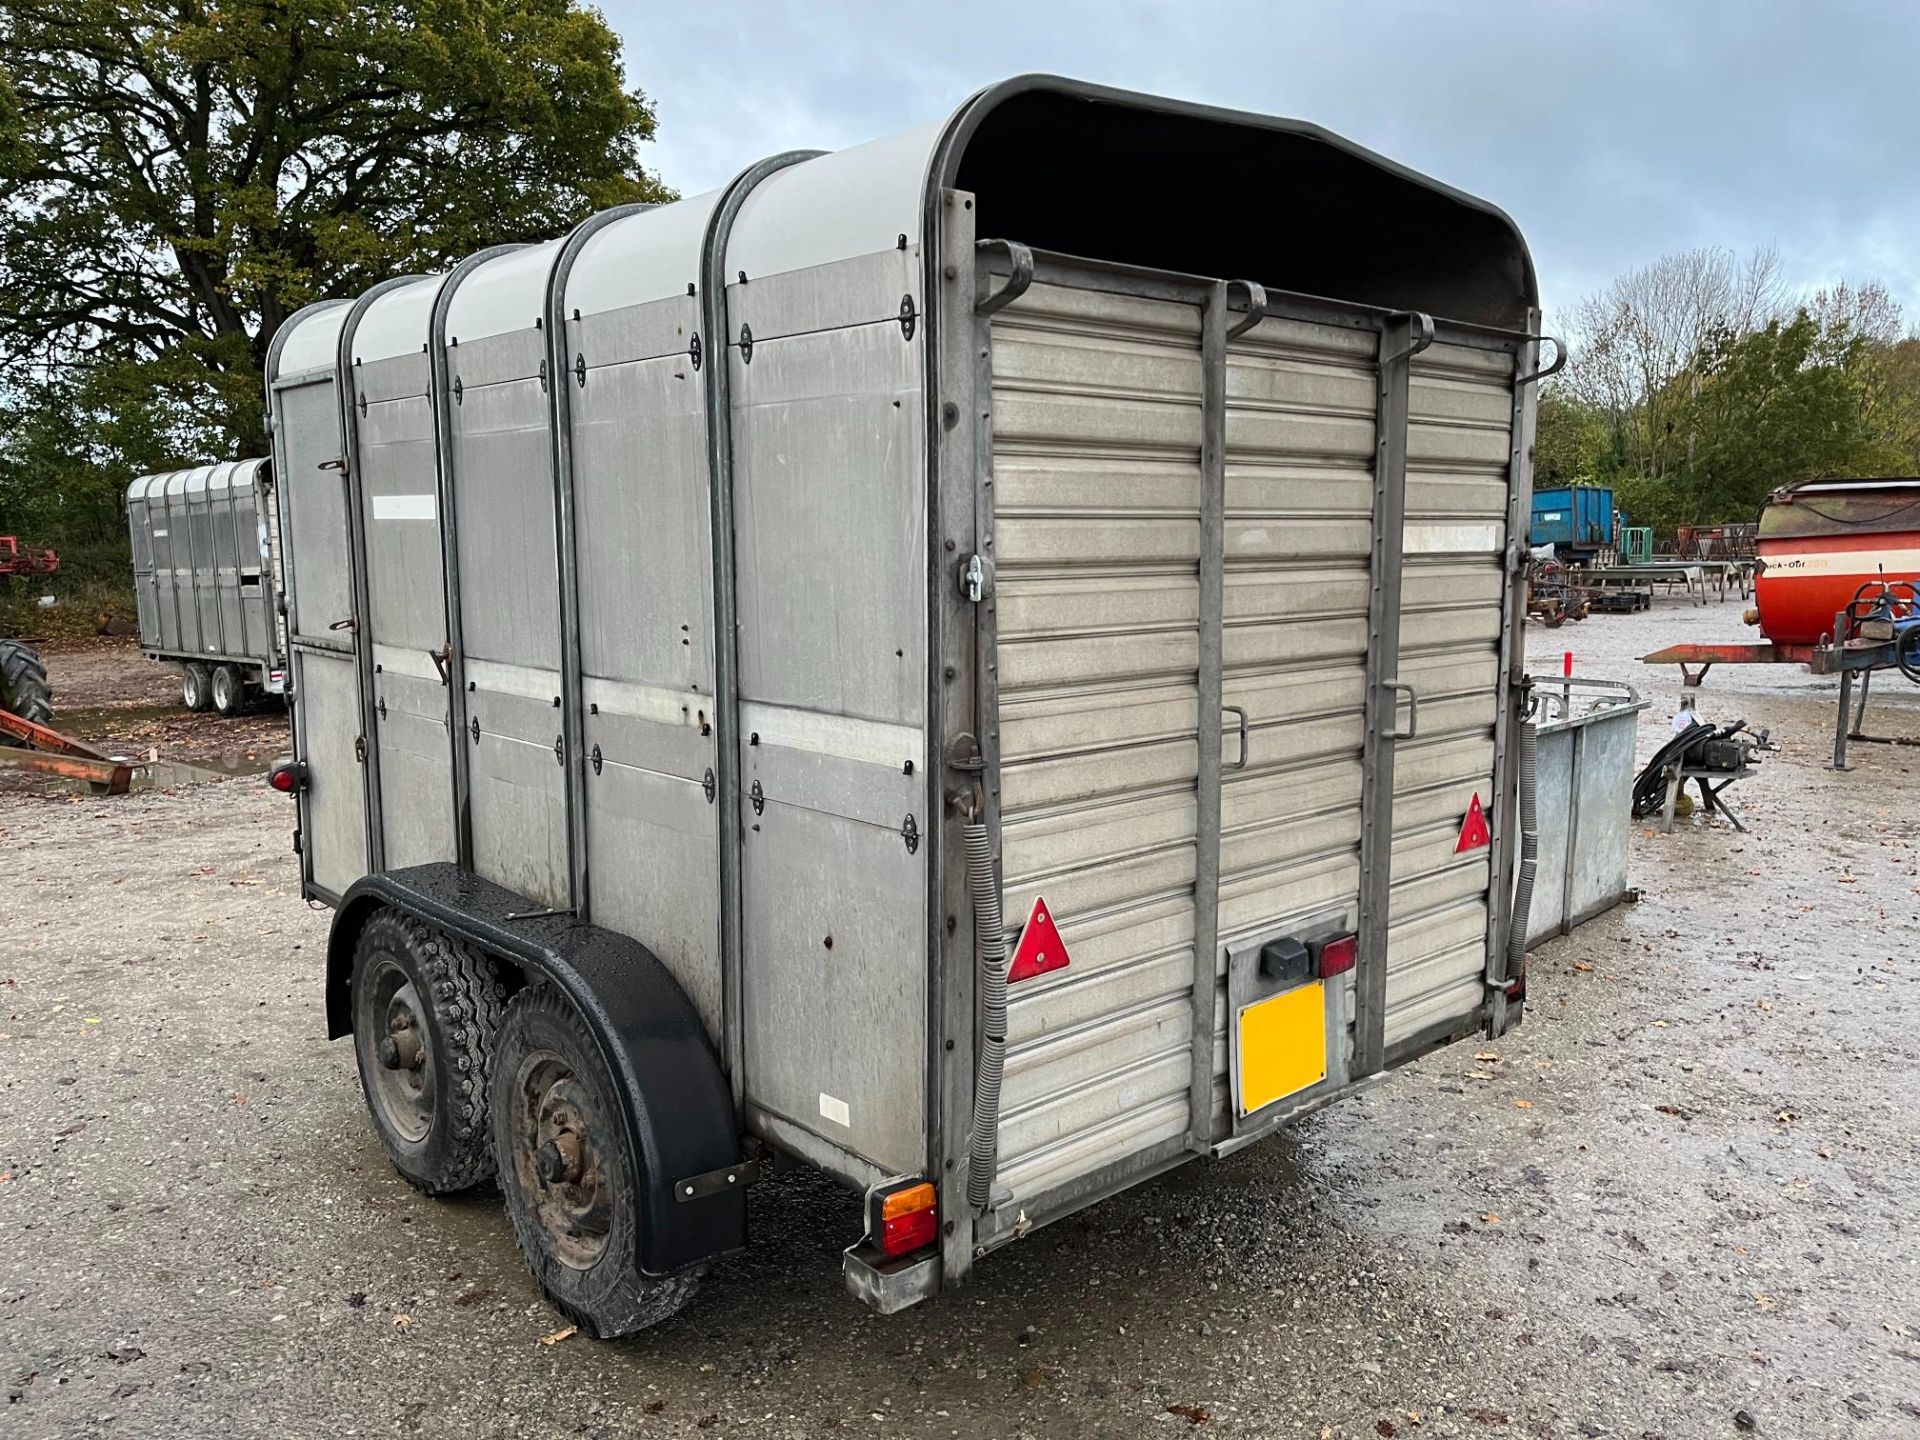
{"x": 1711, "y": 797}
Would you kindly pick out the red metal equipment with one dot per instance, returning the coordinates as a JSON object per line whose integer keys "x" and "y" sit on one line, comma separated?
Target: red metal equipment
{"x": 59, "y": 754}
{"x": 16, "y": 560}
{"x": 1837, "y": 562}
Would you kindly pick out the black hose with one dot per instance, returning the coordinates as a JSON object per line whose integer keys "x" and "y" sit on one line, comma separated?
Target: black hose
{"x": 1650, "y": 785}
{"x": 1906, "y": 653}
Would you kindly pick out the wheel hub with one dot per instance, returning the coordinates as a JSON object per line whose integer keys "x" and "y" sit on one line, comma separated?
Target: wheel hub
{"x": 556, "y": 1153}
{"x": 401, "y": 1083}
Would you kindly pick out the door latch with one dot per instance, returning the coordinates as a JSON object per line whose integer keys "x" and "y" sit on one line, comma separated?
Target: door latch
{"x": 976, "y": 578}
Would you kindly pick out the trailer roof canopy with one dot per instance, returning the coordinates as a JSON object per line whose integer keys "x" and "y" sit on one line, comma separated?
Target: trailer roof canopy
{"x": 1082, "y": 169}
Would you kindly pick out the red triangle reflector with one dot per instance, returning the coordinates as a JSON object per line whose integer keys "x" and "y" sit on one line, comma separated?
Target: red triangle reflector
{"x": 1473, "y": 829}
{"x": 1040, "y": 949}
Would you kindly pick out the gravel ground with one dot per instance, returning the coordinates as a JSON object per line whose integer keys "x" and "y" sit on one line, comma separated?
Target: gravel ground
{"x": 1678, "y": 1202}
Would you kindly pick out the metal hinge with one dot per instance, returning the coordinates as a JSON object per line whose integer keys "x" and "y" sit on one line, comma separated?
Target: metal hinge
{"x": 360, "y": 749}
{"x": 595, "y": 758}
{"x": 693, "y": 349}
{"x": 759, "y": 798}
{"x": 559, "y": 749}
{"x": 746, "y": 344}
{"x": 908, "y": 315}
{"x": 707, "y": 784}
{"x": 910, "y": 832}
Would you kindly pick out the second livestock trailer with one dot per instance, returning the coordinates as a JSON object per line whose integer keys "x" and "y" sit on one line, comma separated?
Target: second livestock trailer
{"x": 205, "y": 582}
{"x": 932, "y": 660}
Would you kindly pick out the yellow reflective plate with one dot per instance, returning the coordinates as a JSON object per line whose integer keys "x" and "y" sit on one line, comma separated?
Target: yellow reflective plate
{"x": 1282, "y": 1045}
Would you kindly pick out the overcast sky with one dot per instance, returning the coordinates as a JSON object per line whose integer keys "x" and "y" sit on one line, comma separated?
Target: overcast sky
{"x": 1613, "y": 131}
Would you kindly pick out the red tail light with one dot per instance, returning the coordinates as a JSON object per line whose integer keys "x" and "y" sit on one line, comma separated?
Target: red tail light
{"x": 1336, "y": 956}
{"x": 287, "y": 777}
{"x": 904, "y": 1217}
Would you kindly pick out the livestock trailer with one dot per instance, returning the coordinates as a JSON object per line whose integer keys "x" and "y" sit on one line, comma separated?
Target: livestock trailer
{"x": 205, "y": 581}
{"x": 928, "y": 661}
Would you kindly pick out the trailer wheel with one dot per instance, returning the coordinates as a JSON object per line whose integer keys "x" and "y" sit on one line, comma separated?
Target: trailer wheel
{"x": 569, "y": 1174}
{"x": 229, "y": 690}
{"x": 196, "y": 687}
{"x": 23, "y": 685}
{"x": 426, "y": 1014}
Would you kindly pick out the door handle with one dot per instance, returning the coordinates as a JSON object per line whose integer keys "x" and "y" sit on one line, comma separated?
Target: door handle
{"x": 1241, "y": 715}
{"x": 1413, "y": 711}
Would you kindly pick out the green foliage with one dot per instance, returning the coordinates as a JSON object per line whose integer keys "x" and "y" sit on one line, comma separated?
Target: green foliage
{"x": 179, "y": 176}
{"x": 1573, "y": 442}
{"x": 1783, "y": 403}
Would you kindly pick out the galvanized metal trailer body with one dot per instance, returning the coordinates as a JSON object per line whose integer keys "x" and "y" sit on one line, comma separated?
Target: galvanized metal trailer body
{"x": 205, "y": 553}
{"x": 788, "y": 536}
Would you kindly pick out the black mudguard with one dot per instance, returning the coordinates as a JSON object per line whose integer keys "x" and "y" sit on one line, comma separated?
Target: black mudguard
{"x": 679, "y": 1108}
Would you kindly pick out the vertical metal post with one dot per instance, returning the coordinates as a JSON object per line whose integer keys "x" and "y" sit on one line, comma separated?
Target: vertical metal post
{"x": 1212, "y": 577}
{"x": 1401, "y": 337}
{"x": 1502, "y": 813}
{"x": 959, "y": 424}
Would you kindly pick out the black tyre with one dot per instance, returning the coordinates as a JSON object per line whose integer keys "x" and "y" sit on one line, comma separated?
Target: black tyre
{"x": 426, "y": 1017}
{"x": 24, "y": 690}
{"x": 569, "y": 1173}
{"x": 196, "y": 687}
{"x": 229, "y": 690}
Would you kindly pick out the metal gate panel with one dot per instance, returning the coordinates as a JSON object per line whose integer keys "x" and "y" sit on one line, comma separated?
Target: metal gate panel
{"x": 325, "y": 671}
{"x": 643, "y": 561}
{"x": 1097, "y": 493}
{"x": 829, "y": 534}
{"x": 397, "y": 471}
{"x": 222, "y": 501}
{"x": 501, "y": 463}
{"x": 1458, "y": 458}
{"x": 203, "y": 598}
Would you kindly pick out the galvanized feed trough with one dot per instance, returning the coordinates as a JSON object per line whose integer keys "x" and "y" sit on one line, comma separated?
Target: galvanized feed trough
{"x": 678, "y": 605}
{"x": 1585, "y": 768}
{"x": 205, "y": 583}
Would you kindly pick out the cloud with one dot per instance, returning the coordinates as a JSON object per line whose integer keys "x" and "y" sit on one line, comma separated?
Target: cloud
{"x": 1614, "y": 133}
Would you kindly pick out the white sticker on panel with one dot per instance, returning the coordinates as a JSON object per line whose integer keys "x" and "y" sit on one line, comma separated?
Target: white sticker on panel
{"x": 403, "y": 507}
{"x": 835, "y": 1109}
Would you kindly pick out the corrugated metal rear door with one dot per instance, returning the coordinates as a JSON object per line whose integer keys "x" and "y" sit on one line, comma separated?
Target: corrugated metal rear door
{"x": 1458, "y": 457}
{"x": 1104, "y": 538}
{"x": 1097, "y": 413}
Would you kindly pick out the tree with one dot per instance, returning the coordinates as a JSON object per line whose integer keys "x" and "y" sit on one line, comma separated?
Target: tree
{"x": 1573, "y": 442}
{"x": 182, "y": 175}
{"x": 1781, "y": 404}
{"x": 1634, "y": 343}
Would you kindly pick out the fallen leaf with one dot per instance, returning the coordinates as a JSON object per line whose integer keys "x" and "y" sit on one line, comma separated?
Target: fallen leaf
{"x": 564, "y": 1333}
{"x": 1035, "y": 1377}
{"x": 1763, "y": 1300}
{"x": 1489, "y": 1218}
{"x": 1523, "y": 1104}
{"x": 1192, "y": 1414}
{"x": 1488, "y": 1056}
{"x": 1786, "y": 1117}
{"x": 1581, "y": 965}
